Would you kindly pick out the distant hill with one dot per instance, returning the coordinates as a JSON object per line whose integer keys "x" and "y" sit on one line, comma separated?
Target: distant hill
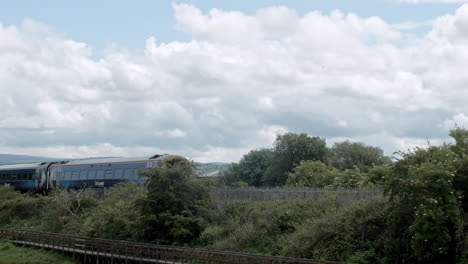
{"x": 6, "y": 159}
{"x": 211, "y": 169}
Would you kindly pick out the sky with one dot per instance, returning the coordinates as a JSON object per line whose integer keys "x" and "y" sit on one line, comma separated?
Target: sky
{"x": 211, "y": 80}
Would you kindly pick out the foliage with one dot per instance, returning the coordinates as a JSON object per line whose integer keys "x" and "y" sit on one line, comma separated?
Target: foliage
{"x": 427, "y": 203}
{"x": 66, "y": 208}
{"x": 250, "y": 169}
{"x": 253, "y": 165}
{"x": 354, "y": 234}
{"x": 15, "y": 206}
{"x": 312, "y": 174}
{"x": 378, "y": 176}
{"x": 348, "y": 155}
{"x": 318, "y": 174}
{"x": 115, "y": 216}
{"x": 231, "y": 176}
{"x": 175, "y": 208}
{"x": 351, "y": 178}
{"x": 10, "y": 254}
{"x": 262, "y": 227}
{"x": 289, "y": 150}
{"x": 303, "y": 228}
{"x": 73, "y": 202}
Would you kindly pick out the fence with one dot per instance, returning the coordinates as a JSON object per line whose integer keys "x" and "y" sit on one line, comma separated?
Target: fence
{"x": 289, "y": 193}
{"x": 94, "y": 250}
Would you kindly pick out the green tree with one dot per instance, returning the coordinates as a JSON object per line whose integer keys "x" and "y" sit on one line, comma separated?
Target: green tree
{"x": 231, "y": 176}
{"x": 176, "y": 208}
{"x": 378, "y": 175}
{"x": 347, "y": 155}
{"x": 289, "y": 150}
{"x": 426, "y": 205}
{"x": 312, "y": 174}
{"x": 351, "y": 178}
{"x": 249, "y": 170}
{"x": 253, "y": 165}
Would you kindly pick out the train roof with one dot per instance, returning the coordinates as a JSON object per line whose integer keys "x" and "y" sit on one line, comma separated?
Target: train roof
{"x": 20, "y": 166}
{"x": 111, "y": 160}
{"x": 86, "y": 161}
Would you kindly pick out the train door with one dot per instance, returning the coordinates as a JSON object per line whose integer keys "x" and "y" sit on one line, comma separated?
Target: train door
{"x": 54, "y": 177}
{"x": 40, "y": 182}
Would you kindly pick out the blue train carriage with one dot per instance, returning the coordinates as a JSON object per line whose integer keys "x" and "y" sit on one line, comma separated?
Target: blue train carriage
{"x": 103, "y": 172}
{"x": 24, "y": 177}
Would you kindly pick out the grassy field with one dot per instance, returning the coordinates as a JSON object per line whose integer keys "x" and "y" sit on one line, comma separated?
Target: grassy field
{"x": 11, "y": 254}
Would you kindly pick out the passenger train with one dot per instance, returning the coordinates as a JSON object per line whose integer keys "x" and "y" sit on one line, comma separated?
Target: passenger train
{"x": 40, "y": 177}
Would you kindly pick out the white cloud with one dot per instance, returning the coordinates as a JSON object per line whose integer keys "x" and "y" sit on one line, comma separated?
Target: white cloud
{"x": 458, "y": 120}
{"x": 239, "y": 81}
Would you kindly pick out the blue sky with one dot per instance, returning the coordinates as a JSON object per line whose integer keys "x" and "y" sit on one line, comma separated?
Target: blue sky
{"x": 211, "y": 80}
{"x": 129, "y": 23}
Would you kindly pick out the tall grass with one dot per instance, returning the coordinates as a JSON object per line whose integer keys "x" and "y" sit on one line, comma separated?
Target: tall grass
{"x": 11, "y": 254}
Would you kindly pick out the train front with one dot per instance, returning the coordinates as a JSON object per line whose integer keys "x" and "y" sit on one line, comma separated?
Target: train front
{"x": 167, "y": 160}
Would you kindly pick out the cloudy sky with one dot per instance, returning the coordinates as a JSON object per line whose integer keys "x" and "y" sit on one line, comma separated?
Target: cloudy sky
{"x": 211, "y": 80}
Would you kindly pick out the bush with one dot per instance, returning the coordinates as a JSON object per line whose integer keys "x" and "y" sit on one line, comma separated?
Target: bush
{"x": 312, "y": 174}
{"x": 115, "y": 216}
{"x": 17, "y": 209}
{"x": 356, "y": 234}
{"x": 263, "y": 227}
{"x": 176, "y": 208}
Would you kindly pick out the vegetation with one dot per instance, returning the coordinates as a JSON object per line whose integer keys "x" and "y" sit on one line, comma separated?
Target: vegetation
{"x": 175, "y": 209}
{"x": 419, "y": 219}
{"x": 302, "y": 160}
{"x": 347, "y": 155}
{"x": 10, "y": 254}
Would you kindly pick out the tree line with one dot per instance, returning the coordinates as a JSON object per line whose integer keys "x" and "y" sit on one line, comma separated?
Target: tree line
{"x": 305, "y": 161}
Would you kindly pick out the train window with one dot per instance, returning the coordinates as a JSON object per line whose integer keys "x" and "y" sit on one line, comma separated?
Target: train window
{"x": 83, "y": 175}
{"x": 75, "y": 175}
{"x": 2, "y": 177}
{"x": 128, "y": 173}
{"x": 30, "y": 176}
{"x": 108, "y": 174}
{"x": 91, "y": 174}
{"x": 67, "y": 175}
{"x": 13, "y": 176}
{"x": 118, "y": 173}
{"x": 21, "y": 176}
{"x": 100, "y": 174}
{"x": 135, "y": 173}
